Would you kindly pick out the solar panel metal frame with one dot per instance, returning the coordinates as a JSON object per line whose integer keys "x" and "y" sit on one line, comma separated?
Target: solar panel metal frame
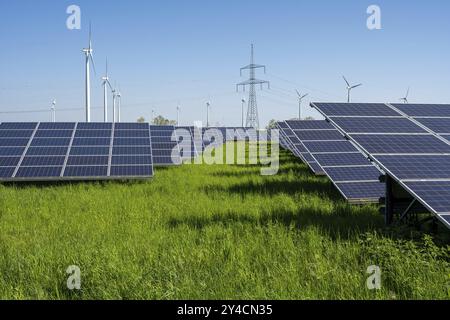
{"x": 441, "y": 216}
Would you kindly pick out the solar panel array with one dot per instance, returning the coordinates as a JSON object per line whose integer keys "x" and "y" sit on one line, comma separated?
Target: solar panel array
{"x": 189, "y": 142}
{"x": 409, "y": 142}
{"x": 74, "y": 151}
{"x": 165, "y": 146}
{"x": 294, "y": 145}
{"x": 350, "y": 171}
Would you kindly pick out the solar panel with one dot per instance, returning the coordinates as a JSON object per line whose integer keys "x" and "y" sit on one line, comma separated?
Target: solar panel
{"x": 89, "y": 151}
{"x": 71, "y": 151}
{"x": 38, "y": 172}
{"x": 424, "y": 110}
{"x": 347, "y": 174}
{"x": 86, "y": 171}
{"x": 13, "y": 142}
{"x": 309, "y": 125}
{"x": 164, "y": 153}
{"x": 16, "y": 133}
{"x": 319, "y": 135}
{"x": 297, "y": 148}
{"x": 401, "y": 144}
{"x": 436, "y": 194}
{"x": 330, "y": 147}
{"x": 94, "y": 126}
{"x": 362, "y": 191}
{"x": 57, "y": 126}
{"x": 18, "y": 126}
{"x": 48, "y": 161}
{"x": 438, "y": 125}
{"x": 377, "y": 125}
{"x": 356, "y": 109}
{"x": 344, "y": 159}
{"x": 417, "y": 167}
{"x": 340, "y": 159}
{"x": 93, "y": 133}
{"x": 186, "y": 142}
{"x": 415, "y": 157}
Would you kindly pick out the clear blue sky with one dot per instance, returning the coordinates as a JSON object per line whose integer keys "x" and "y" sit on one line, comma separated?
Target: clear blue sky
{"x": 162, "y": 52}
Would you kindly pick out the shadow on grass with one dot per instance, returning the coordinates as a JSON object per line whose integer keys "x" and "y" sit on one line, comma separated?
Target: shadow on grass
{"x": 343, "y": 223}
{"x": 272, "y": 187}
{"x": 55, "y": 184}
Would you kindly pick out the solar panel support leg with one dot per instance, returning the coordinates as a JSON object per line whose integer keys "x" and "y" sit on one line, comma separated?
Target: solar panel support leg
{"x": 407, "y": 211}
{"x": 389, "y": 210}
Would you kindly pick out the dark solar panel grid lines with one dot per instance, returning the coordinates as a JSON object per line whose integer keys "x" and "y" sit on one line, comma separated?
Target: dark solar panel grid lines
{"x": 298, "y": 149}
{"x": 417, "y": 156}
{"x": 67, "y": 151}
{"x": 165, "y": 148}
{"x": 341, "y": 161}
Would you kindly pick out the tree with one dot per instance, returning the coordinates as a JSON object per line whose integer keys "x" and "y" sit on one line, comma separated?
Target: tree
{"x": 141, "y": 120}
{"x": 161, "y": 121}
{"x": 310, "y": 118}
{"x": 272, "y": 124}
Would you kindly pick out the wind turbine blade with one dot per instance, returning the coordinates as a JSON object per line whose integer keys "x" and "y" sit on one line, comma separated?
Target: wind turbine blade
{"x": 407, "y": 93}
{"x": 90, "y": 35}
{"x": 93, "y": 64}
{"x": 358, "y": 85}
{"x": 348, "y": 84}
{"x": 298, "y": 93}
{"x": 110, "y": 86}
{"x": 304, "y": 96}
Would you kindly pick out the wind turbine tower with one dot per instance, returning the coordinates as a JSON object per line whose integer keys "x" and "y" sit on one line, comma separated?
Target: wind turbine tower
{"x": 88, "y": 53}
{"x": 350, "y": 88}
{"x": 105, "y": 93}
{"x": 252, "y": 112}
{"x": 53, "y": 109}
{"x": 300, "y": 100}
{"x": 119, "y": 97}
{"x": 405, "y": 99}
{"x": 114, "y": 94}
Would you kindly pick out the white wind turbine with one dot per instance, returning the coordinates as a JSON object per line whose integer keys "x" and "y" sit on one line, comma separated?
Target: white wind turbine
{"x": 114, "y": 94}
{"x": 105, "y": 93}
{"x": 300, "y": 100}
{"x": 88, "y": 53}
{"x": 178, "y": 114}
{"x": 53, "y": 110}
{"x": 405, "y": 99}
{"x": 350, "y": 88}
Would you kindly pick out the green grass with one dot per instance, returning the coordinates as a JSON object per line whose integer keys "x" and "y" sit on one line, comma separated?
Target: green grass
{"x": 210, "y": 232}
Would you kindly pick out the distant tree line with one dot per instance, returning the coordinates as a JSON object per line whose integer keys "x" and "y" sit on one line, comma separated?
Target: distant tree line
{"x": 159, "y": 121}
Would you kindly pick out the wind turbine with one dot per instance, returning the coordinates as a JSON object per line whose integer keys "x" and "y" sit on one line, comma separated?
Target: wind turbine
{"x": 88, "y": 53}
{"x": 153, "y": 117}
{"x": 114, "y": 94}
{"x": 105, "y": 93}
{"x": 208, "y": 104}
{"x": 350, "y": 88}
{"x": 53, "y": 110}
{"x": 300, "y": 100}
{"x": 178, "y": 114}
{"x": 405, "y": 99}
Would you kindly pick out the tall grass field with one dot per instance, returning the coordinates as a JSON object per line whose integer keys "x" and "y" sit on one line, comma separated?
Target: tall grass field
{"x": 211, "y": 232}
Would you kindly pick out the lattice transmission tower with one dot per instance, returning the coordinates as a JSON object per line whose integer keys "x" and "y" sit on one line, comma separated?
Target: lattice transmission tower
{"x": 252, "y": 112}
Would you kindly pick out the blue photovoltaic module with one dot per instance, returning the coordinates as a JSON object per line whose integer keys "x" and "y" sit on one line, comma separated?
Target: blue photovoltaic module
{"x": 73, "y": 151}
